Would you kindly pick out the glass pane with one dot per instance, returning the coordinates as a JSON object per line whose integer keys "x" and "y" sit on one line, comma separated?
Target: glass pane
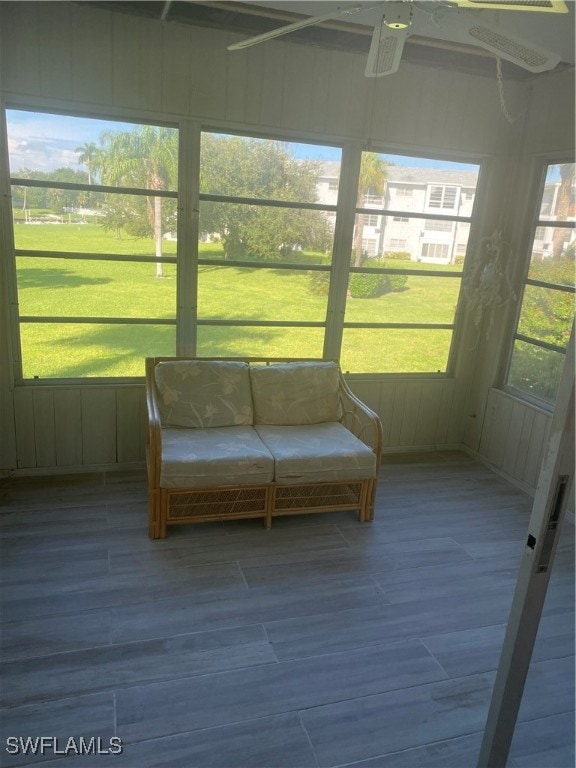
{"x": 265, "y": 233}
{"x": 130, "y": 225}
{"x": 260, "y": 342}
{"x": 546, "y": 315}
{"x": 404, "y": 242}
{"x": 376, "y": 298}
{"x": 559, "y": 196}
{"x": 233, "y": 293}
{"x": 84, "y": 150}
{"x": 85, "y": 288}
{"x": 400, "y": 183}
{"x": 375, "y": 350}
{"x": 243, "y": 166}
{"x": 535, "y": 370}
{"x": 553, "y": 253}
{"x": 69, "y": 350}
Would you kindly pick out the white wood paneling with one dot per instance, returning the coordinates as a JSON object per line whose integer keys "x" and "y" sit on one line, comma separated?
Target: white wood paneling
{"x": 68, "y": 412}
{"x": 91, "y": 38}
{"x": 514, "y": 436}
{"x": 71, "y": 55}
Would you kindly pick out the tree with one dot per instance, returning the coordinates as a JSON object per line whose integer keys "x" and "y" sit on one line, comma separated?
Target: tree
{"x": 257, "y": 169}
{"x": 146, "y": 157}
{"x": 88, "y": 156}
{"x": 564, "y": 208}
{"x": 370, "y": 182}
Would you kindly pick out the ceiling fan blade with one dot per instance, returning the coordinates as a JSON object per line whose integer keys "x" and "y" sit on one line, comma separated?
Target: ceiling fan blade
{"x": 544, "y": 6}
{"x": 520, "y": 52}
{"x": 385, "y": 51}
{"x": 472, "y": 29}
{"x": 309, "y": 22}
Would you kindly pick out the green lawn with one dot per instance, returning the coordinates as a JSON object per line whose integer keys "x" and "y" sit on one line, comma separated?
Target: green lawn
{"x": 56, "y": 287}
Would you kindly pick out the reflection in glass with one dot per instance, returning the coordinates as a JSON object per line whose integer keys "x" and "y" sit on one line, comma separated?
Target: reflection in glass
{"x": 535, "y": 370}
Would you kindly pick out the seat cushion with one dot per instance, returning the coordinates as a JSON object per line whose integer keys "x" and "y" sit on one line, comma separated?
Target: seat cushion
{"x": 317, "y": 453}
{"x": 204, "y": 393}
{"x": 291, "y": 394}
{"x": 200, "y": 458}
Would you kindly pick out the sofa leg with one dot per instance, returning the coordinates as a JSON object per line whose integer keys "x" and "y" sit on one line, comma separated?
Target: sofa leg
{"x": 270, "y": 501}
{"x": 153, "y": 514}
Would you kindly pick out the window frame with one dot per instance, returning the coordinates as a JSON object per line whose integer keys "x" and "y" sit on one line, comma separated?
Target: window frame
{"x": 537, "y": 225}
{"x": 187, "y": 259}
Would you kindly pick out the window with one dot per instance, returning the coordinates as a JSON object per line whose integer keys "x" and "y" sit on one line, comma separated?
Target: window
{"x": 401, "y": 304}
{"x": 434, "y": 225}
{"x": 435, "y": 251}
{"x": 443, "y": 197}
{"x": 264, "y": 275}
{"x": 110, "y": 270}
{"x": 94, "y": 208}
{"x": 547, "y": 307}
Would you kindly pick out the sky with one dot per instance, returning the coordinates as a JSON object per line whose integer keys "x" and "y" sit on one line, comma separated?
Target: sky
{"x": 42, "y": 141}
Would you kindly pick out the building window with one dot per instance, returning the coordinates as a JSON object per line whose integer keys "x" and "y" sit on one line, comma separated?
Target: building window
{"x": 547, "y": 307}
{"x": 370, "y": 220}
{"x": 437, "y": 225}
{"x": 443, "y": 197}
{"x": 401, "y": 301}
{"x": 435, "y": 252}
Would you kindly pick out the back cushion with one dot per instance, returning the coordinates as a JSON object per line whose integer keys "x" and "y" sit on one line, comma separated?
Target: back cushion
{"x": 289, "y": 394}
{"x": 204, "y": 393}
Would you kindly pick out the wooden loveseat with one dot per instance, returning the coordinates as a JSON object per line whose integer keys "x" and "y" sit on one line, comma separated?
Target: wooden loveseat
{"x": 232, "y": 438}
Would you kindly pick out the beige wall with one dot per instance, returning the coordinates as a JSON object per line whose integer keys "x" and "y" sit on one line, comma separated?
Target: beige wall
{"x": 69, "y": 56}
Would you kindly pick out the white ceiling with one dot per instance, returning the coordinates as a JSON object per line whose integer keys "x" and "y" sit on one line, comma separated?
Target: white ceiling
{"x": 553, "y": 31}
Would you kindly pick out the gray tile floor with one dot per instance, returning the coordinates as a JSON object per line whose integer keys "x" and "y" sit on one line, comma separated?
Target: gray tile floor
{"x": 323, "y": 642}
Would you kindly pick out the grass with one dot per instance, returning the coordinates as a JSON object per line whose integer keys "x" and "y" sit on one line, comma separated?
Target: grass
{"x": 55, "y": 287}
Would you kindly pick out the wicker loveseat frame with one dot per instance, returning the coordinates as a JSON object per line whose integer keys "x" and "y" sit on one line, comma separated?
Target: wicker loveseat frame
{"x": 170, "y": 506}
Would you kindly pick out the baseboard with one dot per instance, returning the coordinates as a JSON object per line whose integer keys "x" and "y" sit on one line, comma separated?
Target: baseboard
{"x": 86, "y": 469}
{"x": 530, "y": 490}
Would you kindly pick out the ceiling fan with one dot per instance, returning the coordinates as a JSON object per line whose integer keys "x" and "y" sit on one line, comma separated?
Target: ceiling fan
{"x": 454, "y": 16}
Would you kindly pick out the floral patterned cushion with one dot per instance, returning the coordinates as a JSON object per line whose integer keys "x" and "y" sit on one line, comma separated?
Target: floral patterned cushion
{"x": 290, "y": 394}
{"x": 315, "y": 453}
{"x": 204, "y": 393}
{"x": 200, "y": 458}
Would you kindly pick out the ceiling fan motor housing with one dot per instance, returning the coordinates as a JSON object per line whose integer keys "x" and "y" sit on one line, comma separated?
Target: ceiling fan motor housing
{"x": 398, "y": 15}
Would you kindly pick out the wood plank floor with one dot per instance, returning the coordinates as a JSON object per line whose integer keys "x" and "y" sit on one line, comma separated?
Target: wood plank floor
{"x": 321, "y": 643}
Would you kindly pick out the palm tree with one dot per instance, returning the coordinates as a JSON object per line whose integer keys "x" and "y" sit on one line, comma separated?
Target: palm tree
{"x": 147, "y": 158}
{"x": 88, "y": 155}
{"x": 371, "y": 181}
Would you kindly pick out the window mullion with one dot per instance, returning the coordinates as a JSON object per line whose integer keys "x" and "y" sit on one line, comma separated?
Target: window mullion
{"x": 188, "y": 235}
{"x": 343, "y": 238}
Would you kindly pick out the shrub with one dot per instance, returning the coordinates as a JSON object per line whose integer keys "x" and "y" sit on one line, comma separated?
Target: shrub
{"x": 363, "y": 285}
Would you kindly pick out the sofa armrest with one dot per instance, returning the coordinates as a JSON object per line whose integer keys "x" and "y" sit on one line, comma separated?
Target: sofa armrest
{"x": 360, "y": 420}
